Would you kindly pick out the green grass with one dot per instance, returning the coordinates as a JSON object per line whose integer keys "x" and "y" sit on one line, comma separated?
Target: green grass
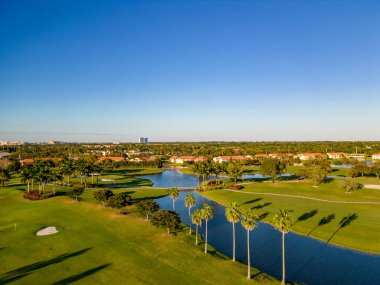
{"x": 362, "y": 234}
{"x": 97, "y": 246}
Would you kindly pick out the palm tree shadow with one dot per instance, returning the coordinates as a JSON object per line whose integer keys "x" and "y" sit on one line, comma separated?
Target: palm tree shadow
{"x": 21, "y": 272}
{"x": 345, "y": 222}
{"x": 306, "y": 216}
{"x": 323, "y": 221}
{"x": 82, "y": 275}
{"x": 261, "y": 205}
{"x": 251, "y": 201}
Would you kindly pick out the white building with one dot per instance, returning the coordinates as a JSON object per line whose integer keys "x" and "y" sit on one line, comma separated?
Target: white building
{"x": 376, "y": 156}
{"x": 336, "y": 155}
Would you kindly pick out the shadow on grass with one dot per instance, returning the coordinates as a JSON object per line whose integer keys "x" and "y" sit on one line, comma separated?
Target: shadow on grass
{"x": 345, "y": 222}
{"x": 21, "y": 272}
{"x": 261, "y": 205}
{"x": 251, "y": 201}
{"x": 82, "y": 275}
{"x": 323, "y": 221}
{"x": 263, "y": 215}
{"x": 306, "y": 216}
{"x": 136, "y": 200}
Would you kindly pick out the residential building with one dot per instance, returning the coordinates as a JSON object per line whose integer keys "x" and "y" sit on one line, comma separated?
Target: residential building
{"x": 112, "y": 158}
{"x": 227, "y": 158}
{"x": 183, "y": 159}
{"x": 308, "y": 156}
{"x": 336, "y": 155}
{"x": 376, "y": 156}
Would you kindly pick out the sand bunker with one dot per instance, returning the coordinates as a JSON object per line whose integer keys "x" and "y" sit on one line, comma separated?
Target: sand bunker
{"x": 47, "y": 231}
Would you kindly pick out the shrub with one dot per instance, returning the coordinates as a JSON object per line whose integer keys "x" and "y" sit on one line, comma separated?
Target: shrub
{"x": 236, "y": 187}
{"x": 32, "y": 195}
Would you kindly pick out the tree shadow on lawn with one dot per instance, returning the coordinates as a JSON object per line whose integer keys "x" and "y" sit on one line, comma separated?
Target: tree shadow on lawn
{"x": 345, "y": 222}
{"x": 261, "y": 206}
{"x": 263, "y": 215}
{"x": 306, "y": 216}
{"x": 323, "y": 221}
{"x": 136, "y": 200}
{"x": 251, "y": 201}
{"x": 82, "y": 275}
{"x": 18, "y": 273}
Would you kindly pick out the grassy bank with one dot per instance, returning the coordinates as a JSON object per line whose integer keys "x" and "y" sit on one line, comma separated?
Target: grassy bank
{"x": 318, "y": 219}
{"x": 96, "y": 246}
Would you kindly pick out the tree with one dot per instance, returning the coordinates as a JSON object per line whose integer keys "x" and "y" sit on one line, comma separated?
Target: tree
{"x": 118, "y": 201}
{"x": 233, "y": 216}
{"x": 196, "y": 218}
{"x": 318, "y": 174}
{"x": 195, "y": 169}
{"x": 272, "y": 167}
{"x": 67, "y": 168}
{"x": 207, "y": 214}
{"x": 148, "y": 207}
{"x": 173, "y": 193}
{"x": 249, "y": 222}
{"x": 360, "y": 169}
{"x": 167, "y": 219}
{"x": 235, "y": 170}
{"x": 27, "y": 174}
{"x": 103, "y": 196}
{"x": 190, "y": 201}
{"x": 350, "y": 185}
{"x": 75, "y": 192}
{"x": 4, "y": 176}
{"x": 376, "y": 169}
{"x": 283, "y": 220}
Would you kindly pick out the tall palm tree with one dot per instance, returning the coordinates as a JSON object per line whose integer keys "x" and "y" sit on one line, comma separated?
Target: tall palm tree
{"x": 283, "y": 220}
{"x": 195, "y": 169}
{"x": 249, "y": 222}
{"x": 189, "y": 201}
{"x": 173, "y": 193}
{"x": 27, "y": 174}
{"x": 207, "y": 214}
{"x": 196, "y": 218}
{"x": 233, "y": 216}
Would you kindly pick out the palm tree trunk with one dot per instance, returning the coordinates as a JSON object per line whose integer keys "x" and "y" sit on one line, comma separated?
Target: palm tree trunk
{"x": 189, "y": 211}
{"x": 147, "y": 217}
{"x": 283, "y": 259}
{"x": 28, "y": 186}
{"x": 196, "y": 234}
{"x": 173, "y": 205}
{"x": 92, "y": 178}
{"x": 249, "y": 257}
{"x": 32, "y": 184}
{"x": 206, "y": 239}
{"x": 233, "y": 241}
{"x": 168, "y": 231}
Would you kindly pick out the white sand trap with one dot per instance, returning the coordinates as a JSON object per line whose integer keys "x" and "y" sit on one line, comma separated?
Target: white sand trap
{"x": 47, "y": 231}
{"x": 106, "y": 180}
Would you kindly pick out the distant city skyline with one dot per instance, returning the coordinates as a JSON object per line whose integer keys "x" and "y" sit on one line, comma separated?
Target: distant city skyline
{"x": 104, "y": 71}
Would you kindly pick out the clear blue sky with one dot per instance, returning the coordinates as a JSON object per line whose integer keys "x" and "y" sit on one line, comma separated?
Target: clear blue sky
{"x": 189, "y": 70}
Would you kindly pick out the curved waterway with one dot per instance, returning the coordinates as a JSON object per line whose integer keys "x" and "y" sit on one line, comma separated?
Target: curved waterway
{"x": 308, "y": 261}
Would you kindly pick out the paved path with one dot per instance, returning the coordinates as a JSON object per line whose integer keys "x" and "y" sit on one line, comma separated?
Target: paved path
{"x": 371, "y": 186}
{"x": 304, "y": 197}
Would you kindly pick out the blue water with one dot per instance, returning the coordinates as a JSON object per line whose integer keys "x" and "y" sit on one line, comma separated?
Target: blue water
{"x": 308, "y": 261}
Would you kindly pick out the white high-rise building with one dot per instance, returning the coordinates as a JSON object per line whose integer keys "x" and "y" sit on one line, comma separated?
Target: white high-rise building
{"x": 143, "y": 140}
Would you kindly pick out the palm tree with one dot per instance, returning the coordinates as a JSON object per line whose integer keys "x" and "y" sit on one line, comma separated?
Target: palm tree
{"x": 196, "y": 218}
{"x": 249, "y": 222}
{"x": 233, "y": 216}
{"x": 189, "y": 201}
{"x": 173, "y": 193}
{"x": 26, "y": 174}
{"x": 195, "y": 169}
{"x": 283, "y": 220}
{"x": 207, "y": 214}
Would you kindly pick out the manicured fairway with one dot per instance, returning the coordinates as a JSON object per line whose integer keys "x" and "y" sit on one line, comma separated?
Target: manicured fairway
{"x": 361, "y": 233}
{"x": 97, "y": 246}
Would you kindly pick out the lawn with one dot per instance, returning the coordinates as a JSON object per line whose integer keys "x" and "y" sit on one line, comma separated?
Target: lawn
{"x": 95, "y": 245}
{"x": 362, "y": 233}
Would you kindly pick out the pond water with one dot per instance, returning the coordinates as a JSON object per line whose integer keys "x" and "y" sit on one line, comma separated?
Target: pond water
{"x": 308, "y": 261}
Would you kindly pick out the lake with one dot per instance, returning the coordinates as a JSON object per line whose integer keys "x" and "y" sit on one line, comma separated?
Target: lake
{"x": 308, "y": 261}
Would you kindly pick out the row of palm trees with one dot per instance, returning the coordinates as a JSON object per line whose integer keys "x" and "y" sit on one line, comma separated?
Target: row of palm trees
{"x": 283, "y": 221}
{"x": 46, "y": 171}
{"x": 206, "y": 168}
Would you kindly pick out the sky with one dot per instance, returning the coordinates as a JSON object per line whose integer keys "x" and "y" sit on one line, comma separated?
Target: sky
{"x": 100, "y": 71}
